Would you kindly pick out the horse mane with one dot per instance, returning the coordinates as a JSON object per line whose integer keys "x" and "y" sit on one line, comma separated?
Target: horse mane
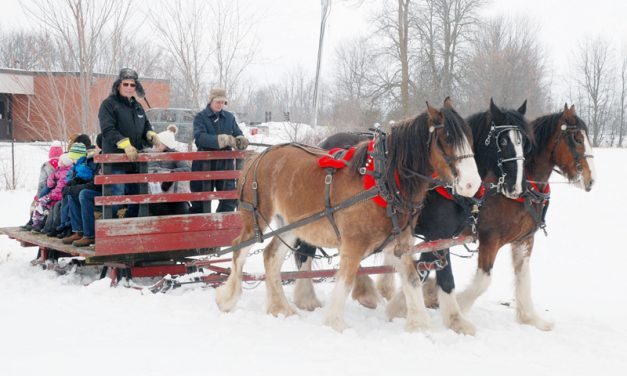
{"x": 480, "y": 124}
{"x": 544, "y": 126}
{"x": 408, "y": 148}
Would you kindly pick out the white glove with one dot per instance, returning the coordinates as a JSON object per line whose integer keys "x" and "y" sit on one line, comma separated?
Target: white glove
{"x": 225, "y": 140}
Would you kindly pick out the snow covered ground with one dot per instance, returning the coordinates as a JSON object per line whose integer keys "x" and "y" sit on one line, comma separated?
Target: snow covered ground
{"x": 57, "y": 325}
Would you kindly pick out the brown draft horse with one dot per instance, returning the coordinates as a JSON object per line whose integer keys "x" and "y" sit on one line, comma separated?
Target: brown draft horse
{"x": 561, "y": 139}
{"x": 290, "y": 186}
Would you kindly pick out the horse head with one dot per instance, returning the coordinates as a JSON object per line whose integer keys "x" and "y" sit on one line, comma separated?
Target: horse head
{"x": 501, "y": 137}
{"x": 571, "y": 149}
{"x": 450, "y": 152}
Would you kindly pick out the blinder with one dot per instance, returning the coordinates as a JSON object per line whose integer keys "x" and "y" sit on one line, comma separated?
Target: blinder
{"x": 568, "y": 132}
{"x": 495, "y": 133}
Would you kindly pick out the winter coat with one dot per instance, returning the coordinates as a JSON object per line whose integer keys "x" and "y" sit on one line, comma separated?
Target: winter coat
{"x": 56, "y": 181}
{"x": 168, "y": 166}
{"x": 45, "y": 171}
{"x": 208, "y": 125}
{"x": 122, "y": 118}
{"x": 81, "y": 176}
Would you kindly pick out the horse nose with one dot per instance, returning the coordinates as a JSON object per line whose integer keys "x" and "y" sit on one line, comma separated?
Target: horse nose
{"x": 589, "y": 185}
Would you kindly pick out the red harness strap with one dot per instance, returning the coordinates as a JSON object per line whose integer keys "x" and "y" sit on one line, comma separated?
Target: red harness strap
{"x": 534, "y": 187}
{"x": 369, "y": 181}
{"x": 328, "y": 161}
{"x": 442, "y": 191}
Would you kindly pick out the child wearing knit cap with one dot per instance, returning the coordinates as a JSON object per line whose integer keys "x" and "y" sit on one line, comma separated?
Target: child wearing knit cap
{"x": 47, "y": 169}
{"x": 55, "y": 182}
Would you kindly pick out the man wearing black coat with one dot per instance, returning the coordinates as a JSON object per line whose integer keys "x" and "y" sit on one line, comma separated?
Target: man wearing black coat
{"x": 125, "y": 128}
{"x": 216, "y": 129}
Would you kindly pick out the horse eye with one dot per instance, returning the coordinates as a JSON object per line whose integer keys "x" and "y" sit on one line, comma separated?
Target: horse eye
{"x": 503, "y": 142}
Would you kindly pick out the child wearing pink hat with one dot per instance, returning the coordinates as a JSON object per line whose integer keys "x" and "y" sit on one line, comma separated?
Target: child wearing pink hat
{"x": 47, "y": 169}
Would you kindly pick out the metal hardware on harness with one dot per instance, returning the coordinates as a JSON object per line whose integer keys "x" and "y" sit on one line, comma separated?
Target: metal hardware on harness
{"x": 328, "y": 179}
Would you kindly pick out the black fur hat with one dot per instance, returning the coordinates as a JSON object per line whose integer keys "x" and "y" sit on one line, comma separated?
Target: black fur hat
{"x": 129, "y": 74}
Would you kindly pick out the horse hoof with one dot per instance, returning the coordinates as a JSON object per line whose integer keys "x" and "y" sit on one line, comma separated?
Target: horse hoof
{"x": 396, "y": 307}
{"x": 417, "y": 325}
{"x": 386, "y": 287}
{"x": 277, "y": 311}
{"x": 308, "y": 305}
{"x": 336, "y": 324}
{"x": 460, "y": 325}
{"x": 541, "y": 324}
{"x": 430, "y": 293}
{"x": 225, "y": 299}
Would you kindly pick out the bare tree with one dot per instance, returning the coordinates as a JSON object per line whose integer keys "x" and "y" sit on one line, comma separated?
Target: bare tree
{"x": 353, "y": 103}
{"x": 595, "y": 79}
{"x": 506, "y": 63}
{"x": 182, "y": 29}
{"x": 622, "y": 101}
{"x": 235, "y": 44}
{"x": 79, "y": 25}
{"x": 444, "y": 28}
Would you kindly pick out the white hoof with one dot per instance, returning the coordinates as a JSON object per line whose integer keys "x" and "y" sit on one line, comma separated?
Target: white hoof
{"x": 430, "y": 293}
{"x": 542, "y": 324}
{"x": 417, "y": 324}
{"x": 226, "y": 299}
{"x": 397, "y": 307}
{"x": 305, "y": 296}
{"x": 460, "y": 325}
{"x": 366, "y": 295}
{"x": 278, "y": 310}
{"x": 386, "y": 286}
{"x": 336, "y": 323}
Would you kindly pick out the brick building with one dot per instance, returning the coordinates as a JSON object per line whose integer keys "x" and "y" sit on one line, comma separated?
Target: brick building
{"x": 44, "y": 106}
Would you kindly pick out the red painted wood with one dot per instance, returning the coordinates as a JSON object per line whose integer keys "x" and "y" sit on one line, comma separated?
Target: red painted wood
{"x": 166, "y": 197}
{"x": 173, "y": 176}
{"x": 175, "y": 156}
{"x": 154, "y": 271}
{"x": 167, "y": 224}
{"x": 134, "y": 244}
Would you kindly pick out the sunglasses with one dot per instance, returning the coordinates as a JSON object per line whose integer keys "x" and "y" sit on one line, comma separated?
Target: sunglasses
{"x": 126, "y": 84}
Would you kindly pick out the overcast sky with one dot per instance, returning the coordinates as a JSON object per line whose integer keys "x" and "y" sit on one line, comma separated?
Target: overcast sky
{"x": 288, "y": 29}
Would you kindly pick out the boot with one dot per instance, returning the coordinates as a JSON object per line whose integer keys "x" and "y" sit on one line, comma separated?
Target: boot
{"x": 72, "y": 238}
{"x": 85, "y": 241}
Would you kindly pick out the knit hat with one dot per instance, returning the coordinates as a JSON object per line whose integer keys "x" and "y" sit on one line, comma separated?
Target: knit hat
{"x": 78, "y": 150}
{"x": 65, "y": 160}
{"x": 217, "y": 94}
{"x": 167, "y": 138}
{"x": 56, "y": 149}
{"x": 128, "y": 74}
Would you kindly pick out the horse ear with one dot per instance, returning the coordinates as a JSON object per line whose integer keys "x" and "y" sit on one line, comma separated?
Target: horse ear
{"x": 523, "y": 108}
{"x": 573, "y": 111}
{"x": 433, "y": 113}
{"x": 565, "y": 107}
{"x": 448, "y": 103}
{"x": 494, "y": 109}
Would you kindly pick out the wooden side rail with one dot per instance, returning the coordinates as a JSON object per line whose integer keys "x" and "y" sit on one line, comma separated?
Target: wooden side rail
{"x": 174, "y": 156}
{"x": 157, "y": 198}
{"x": 167, "y": 233}
{"x": 143, "y": 177}
{"x": 161, "y": 177}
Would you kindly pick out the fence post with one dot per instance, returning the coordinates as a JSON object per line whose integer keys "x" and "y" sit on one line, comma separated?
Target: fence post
{"x": 13, "y": 163}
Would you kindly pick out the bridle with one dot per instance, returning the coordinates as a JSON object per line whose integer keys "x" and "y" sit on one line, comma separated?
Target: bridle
{"x": 568, "y": 132}
{"x": 448, "y": 159}
{"x": 495, "y": 133}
